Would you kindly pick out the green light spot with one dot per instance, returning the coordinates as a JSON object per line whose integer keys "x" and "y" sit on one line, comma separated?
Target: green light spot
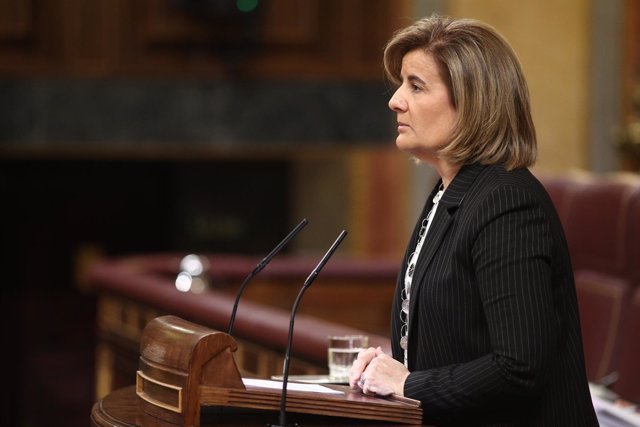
{"x": 246, "y": 5}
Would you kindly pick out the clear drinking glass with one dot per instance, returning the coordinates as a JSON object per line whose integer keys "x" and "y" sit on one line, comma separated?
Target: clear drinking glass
{"x": 342, "y": 352}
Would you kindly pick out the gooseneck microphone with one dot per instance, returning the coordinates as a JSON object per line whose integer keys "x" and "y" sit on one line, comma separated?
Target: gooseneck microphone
{"x": 307, "y": 283}
{"x": 262, "y": 264}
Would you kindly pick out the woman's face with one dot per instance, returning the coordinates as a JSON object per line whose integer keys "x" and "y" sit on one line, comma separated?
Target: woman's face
{"x": 423, "y": 106}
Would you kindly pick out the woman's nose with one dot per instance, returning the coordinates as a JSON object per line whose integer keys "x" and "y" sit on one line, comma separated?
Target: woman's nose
{"x": 396, "y": 103}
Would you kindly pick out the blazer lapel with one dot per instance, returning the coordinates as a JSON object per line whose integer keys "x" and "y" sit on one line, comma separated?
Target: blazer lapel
{"x": 451, "y": 200}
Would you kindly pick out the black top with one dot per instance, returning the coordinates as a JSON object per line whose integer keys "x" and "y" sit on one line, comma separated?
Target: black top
{"x": 494, "y": 334}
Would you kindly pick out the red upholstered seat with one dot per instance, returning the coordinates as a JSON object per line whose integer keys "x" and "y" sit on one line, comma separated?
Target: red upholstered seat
{"x": 596, "y": 226}
{"x": 601, "y": 218}
{"x": 561, "y": 189}
{"x": 602, "y": 302}
{"x": 633, "y": 237}
{"x": 628, "y": 384}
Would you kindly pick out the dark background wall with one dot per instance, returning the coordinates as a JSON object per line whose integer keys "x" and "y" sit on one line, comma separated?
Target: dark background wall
{"x": 157, "y": 125}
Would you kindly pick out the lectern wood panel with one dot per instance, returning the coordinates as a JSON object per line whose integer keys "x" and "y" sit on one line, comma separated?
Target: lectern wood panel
{"x": 349, "y": 404}
{"x": 184, "y": 366}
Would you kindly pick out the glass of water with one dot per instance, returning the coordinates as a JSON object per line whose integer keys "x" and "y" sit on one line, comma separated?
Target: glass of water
{"x": 342, "y": 352}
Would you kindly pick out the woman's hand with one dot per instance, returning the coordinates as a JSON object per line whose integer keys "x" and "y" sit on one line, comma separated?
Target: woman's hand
{"x": 364, "y": 358}
{"x": 377, "y": 373}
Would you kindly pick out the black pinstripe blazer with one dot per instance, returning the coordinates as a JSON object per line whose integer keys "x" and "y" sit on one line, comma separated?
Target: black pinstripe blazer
{"x": 494, "y": 330}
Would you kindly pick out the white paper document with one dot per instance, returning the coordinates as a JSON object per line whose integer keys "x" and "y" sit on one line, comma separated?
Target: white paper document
{"x": 610, "y": 415}
{"x": 277, "y": 385}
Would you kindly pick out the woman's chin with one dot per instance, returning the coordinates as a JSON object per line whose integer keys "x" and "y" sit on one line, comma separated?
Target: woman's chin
{"x": 405, "y": 147}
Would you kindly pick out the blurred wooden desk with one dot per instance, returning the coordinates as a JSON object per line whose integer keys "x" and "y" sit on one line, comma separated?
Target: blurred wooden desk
{"x": 352, "y": 292}
{"x": 133, "y": 290}
{"x": 120, "y": 409}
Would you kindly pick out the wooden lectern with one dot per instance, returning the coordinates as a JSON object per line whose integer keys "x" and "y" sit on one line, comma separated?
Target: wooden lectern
{"x": 184, "y": 366}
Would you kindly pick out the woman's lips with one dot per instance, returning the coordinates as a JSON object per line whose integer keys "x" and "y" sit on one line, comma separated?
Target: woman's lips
{"x": 402, "y": 126}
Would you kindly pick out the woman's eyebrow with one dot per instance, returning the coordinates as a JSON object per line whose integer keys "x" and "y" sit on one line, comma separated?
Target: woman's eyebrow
{"x": 412, "y": 78}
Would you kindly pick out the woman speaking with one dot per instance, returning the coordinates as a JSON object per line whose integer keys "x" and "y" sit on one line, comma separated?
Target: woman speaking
{"x": 485, "y": 325}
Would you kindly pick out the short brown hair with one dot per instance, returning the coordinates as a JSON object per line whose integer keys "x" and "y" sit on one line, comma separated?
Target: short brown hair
{"x": 486, "y": 84}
